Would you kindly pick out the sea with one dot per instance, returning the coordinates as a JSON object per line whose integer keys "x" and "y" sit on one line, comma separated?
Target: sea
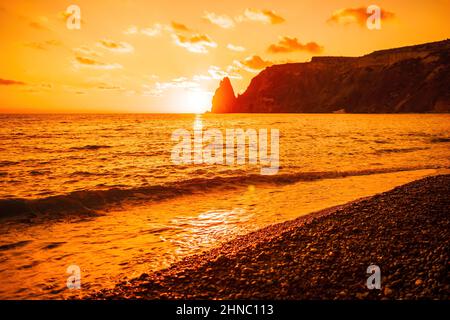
{"x": 102, "y": 192}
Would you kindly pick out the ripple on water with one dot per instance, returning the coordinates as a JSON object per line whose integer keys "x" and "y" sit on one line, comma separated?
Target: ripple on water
{"x": 53, "y": 245}
{"x": 14, "y": 245}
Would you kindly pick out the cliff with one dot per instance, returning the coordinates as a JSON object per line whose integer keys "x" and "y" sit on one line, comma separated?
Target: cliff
{"x": 407, "y": 79}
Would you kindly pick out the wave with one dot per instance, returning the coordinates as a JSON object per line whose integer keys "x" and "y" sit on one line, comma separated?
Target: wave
{"x": 400, "y": 150}
{"x": 7, "y": 163}
{"x": 90, "y": 147}
{"x": 14, "y": 245}
{"x": 88, "y": 202}
{"x": 440, "y": 140}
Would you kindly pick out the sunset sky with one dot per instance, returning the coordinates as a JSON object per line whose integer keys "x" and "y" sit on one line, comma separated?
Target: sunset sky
{"x": 169, "y": 56}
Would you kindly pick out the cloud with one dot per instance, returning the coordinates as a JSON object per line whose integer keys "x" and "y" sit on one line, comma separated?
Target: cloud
{"x": 116, "y": 46}
{"x": 217, "y": 73}
{"x": 179, "y": 83}
{"x": 233, "y": 47}
{"x": 189, "y": 39}
{"x": 287, "y": 44}
{"x": 253, "y": 64}
{"x": 152, "y": 31}
{"x": 107, "y": 86}
{"x": 180, "y": 27}
{"x": 103, "y": 81}
{"x": 182, "y": 36}
{"x": 44, "y": 45}
{"x": 264, "y": 16}
{"x": 132, "y": 30}
{"x": 6, "y": 82}
{"x": 86, "y": 51}
{"x": 148, "y": 90}
{"x": 355, "y": 15}
{"x": 222, "y": 21}
{"x": 274, "y": 18}
{"x": 83, "y": 61}
{"x": 39, "y": 24}
{"x": 197, "y": 43}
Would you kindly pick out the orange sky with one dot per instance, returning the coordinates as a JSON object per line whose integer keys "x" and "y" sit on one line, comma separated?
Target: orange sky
{"x": 168, "y": 56}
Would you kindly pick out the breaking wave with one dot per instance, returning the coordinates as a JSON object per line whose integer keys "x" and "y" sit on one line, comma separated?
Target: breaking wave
{"x": 88, "y": 202}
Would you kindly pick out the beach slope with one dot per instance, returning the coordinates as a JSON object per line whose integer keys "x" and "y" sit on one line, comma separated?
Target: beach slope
{"x": 325, "y": 255}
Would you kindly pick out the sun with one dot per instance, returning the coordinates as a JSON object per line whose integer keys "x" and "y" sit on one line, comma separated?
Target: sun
{"x": 197, "y": 101}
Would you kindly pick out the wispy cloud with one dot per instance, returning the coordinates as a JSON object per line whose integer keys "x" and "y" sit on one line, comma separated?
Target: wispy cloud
{"x": 108, "y": 86}
{"x": 264, "y": 16}
{"x": 132, "y": 30}
{"x": 44, "y": 45}
{"x": 86, "y": 51}
{"x": 197, "y": 43}
{"x": 180, "y": 27}
{"x": 233, "y": 47}
{"x": 89, "y": 62}
{"x": 40, "y": 23}
{"x": 179, "y": 83}
{"x": 116, "y": 46}
{"x": 288, "y": 44}
{"x": 152, "y": 31}
{"x": 356, "y": 15}
{"x": 181, "y": 34}
{"x": 253, "y": 64}
{"x": 189, "y": 39}
{"x": 217, "y": 73}
{"x": 6, "y": 82}
{"x": 222, "y": 21}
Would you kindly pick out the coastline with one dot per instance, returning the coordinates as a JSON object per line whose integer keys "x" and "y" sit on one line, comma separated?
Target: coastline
{"x": 92, "y": 203}
{"x": 323, "y": 255}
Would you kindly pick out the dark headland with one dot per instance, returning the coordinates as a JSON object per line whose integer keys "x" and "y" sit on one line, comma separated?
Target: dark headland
{"x": 412, "y": 79}
{"x": 324, "y": 255}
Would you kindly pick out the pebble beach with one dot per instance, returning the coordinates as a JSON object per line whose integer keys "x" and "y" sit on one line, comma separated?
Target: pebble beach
{"x": 324, "y": 255}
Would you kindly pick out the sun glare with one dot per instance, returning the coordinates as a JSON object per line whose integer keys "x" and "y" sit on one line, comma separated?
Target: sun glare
{"x": 195, "y": 101}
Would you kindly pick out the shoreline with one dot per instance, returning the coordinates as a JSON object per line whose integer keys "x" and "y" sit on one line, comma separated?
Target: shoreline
{"x": 93, "y": 203}
{"x": 323, "y": 255}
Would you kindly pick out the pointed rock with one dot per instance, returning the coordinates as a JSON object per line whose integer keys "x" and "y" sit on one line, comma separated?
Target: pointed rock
{"x": 224, "y": 99}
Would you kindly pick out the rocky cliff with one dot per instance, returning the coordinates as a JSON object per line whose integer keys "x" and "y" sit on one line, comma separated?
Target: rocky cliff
{"x": 407, "y": 79}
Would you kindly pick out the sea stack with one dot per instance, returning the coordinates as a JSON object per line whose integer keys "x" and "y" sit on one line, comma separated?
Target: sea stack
{"x": 224, "y": 99}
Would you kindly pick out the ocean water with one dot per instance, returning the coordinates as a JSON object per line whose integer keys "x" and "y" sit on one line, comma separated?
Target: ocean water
{"x": 104, "y": 194}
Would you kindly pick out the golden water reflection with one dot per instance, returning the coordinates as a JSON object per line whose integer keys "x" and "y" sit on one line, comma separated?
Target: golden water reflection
{"x": 132, "y": 240}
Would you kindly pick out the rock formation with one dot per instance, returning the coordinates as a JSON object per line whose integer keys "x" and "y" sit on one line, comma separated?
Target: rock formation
{"x": 224, "y": 99}
{"x": 407, "y": 79}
